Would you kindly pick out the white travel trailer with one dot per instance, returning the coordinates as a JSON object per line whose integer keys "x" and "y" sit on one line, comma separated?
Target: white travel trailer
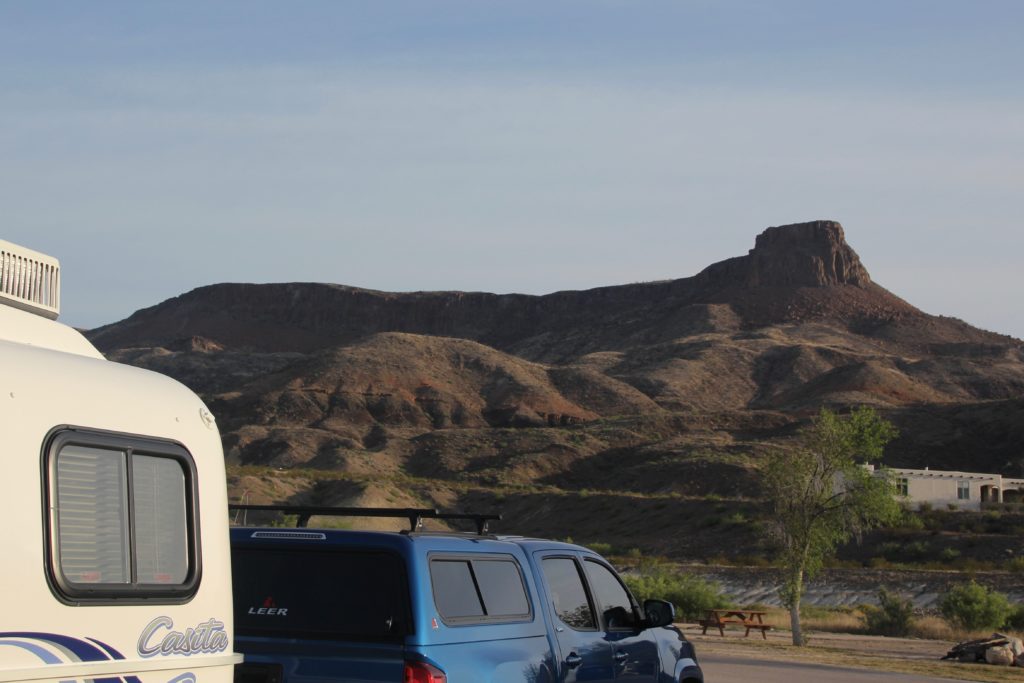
{"x": 115, "y": 560}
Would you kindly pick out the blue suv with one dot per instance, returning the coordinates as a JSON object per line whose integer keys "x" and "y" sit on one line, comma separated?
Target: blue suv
{"x": 319, "y": 605}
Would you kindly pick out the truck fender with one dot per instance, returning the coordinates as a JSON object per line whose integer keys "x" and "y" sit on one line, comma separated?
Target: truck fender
{"x": 685, "y": 667}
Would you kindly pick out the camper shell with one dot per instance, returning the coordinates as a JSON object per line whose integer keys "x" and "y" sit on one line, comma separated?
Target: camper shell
{"x": 116, "y": 549}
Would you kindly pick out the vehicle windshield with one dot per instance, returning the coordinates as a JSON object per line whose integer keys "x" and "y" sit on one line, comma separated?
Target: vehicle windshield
{"x": 320, "y": 594}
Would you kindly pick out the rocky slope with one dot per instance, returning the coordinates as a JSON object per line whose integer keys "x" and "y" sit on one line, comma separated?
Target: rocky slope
{"x": 647, "y": 390}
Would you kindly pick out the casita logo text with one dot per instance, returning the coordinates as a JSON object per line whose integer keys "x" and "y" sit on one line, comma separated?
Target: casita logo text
{"x": 160, "y": 638}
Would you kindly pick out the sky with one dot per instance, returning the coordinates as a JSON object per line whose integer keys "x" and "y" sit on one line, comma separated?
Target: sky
{"x": 517, "y": 146}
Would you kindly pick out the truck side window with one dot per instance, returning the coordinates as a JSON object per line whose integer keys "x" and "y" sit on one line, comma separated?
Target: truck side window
{"x": 476, "y": 590}
{"x": 616, "y": 606}
{"x": 454, "y": 589}
{"x": 501, "y": 587}
{"x": 122, "y": 518}
{"x": 567, "y": 593}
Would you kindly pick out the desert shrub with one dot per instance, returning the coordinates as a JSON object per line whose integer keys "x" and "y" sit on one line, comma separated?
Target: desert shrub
{"x": 911, "y": 522}
{"x": 890, "y": 550}
{"x": 894, "y": 615}
{"x": 992, "y": 522}
{"x": 949, "y": 554}
{"x": 1015, "y": 619}
{"x": 974, "y": 607}
{"x": 736, "y": 518}
{"x": 916, "y": 550}
{"x": 692, "y": 595}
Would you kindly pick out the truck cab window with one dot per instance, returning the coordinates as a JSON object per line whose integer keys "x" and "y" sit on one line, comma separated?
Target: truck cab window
{"x": 568, "y": 594}
{"x": 616, "y": 606}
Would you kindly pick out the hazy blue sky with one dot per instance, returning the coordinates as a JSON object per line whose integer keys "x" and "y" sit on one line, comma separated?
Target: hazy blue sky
{"x": 510, "y": 146}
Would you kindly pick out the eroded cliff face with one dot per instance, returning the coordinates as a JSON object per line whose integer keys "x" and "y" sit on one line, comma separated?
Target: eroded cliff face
{"x": 805, "y": 255}
{"x": 811, "y": 254}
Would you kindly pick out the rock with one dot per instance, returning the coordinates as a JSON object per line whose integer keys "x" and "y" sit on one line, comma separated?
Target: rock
{"x": 195, "y": 343}
{"x": 1000, "y": 655}
{"x": 811, "y": 254}
{"x": 805, "y": 254}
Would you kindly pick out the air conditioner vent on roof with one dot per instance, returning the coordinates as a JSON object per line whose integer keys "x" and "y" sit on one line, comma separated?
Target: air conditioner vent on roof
{"x": 29, "y": 280}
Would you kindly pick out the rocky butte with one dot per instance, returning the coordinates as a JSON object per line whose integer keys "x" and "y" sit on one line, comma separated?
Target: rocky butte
{"x": 587, "y": 409}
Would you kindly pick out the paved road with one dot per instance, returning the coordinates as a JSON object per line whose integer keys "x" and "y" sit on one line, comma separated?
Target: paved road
{"x": 720, "y": 668}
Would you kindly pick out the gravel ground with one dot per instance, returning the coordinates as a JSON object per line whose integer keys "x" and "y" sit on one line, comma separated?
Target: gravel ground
{"x": 878, "y": 646}
{"x": 912, "y": 656}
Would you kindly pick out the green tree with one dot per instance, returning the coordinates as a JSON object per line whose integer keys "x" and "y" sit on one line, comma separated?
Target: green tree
{"x": 821, "y": 495}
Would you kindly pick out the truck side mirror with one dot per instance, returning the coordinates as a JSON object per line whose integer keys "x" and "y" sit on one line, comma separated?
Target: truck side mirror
{"x": 658, "y": 613}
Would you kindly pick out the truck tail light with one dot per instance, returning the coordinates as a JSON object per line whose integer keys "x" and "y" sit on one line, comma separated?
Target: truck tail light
{"x": 421, "y": 672}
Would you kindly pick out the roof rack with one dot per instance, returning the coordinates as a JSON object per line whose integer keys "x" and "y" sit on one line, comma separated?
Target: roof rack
{"x": 414, "y": 515}
{"x": 481, "y": 520}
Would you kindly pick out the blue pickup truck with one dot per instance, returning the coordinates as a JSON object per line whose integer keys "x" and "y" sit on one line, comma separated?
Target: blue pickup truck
{"x": 320, "y": 605}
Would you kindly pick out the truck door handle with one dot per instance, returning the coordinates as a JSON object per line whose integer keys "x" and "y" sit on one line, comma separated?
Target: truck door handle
{"x": 620, "y": 657}
{"x": 573, "y": 660}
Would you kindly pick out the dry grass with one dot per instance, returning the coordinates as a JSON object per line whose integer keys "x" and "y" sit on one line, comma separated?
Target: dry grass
{"x": 814, "y": 619}
{"x": 851, "y": 621}
{"x": 935, "y": 628}
{"x": 833, "y": 621}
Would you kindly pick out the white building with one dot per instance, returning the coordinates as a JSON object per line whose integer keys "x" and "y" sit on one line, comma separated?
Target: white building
{"x": 964, "y": 490}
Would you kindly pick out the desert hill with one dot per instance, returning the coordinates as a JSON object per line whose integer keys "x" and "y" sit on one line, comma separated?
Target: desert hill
{"x": 649, "y": 391}
{"x": 794, "y": 274}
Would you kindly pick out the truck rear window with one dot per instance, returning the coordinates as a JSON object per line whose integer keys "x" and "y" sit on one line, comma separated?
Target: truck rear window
{"x": 320, "y": 594}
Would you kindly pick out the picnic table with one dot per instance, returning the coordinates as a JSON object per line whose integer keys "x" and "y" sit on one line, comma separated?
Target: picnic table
{"x": 750, "y": 619}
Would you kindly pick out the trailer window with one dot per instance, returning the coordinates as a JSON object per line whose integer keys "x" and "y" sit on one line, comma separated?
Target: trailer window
{"x": 122, "y": 518}
{"x": 161, "y": 546}
{"x": 92, "y": 515}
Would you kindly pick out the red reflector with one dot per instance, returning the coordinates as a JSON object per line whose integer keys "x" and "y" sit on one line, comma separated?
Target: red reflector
{"x": 421, "y": 672}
